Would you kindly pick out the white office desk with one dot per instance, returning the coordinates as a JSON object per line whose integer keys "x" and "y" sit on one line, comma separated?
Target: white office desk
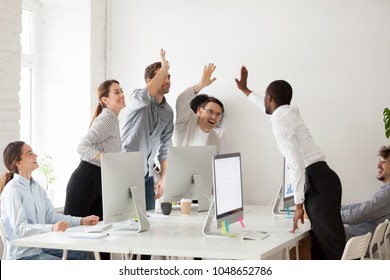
{"x": 187, "y": 241}
{"x": 181, "y": 236}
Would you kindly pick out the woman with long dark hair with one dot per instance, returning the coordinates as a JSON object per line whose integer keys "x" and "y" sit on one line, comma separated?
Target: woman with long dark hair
{"x": 84, "y": 190}
{"x": 26, "y": 209}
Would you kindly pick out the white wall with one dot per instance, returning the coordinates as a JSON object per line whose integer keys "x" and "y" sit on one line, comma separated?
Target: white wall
{"x": 97, "y": 48}
{"x": 334, "y": 53}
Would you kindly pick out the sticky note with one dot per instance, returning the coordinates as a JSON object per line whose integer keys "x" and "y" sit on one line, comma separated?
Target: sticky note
{"x": 288, "y": 211}
{"x": 227, "y": 226}
{"x": 241, "y": 221}
{"x": 225, "y": 229}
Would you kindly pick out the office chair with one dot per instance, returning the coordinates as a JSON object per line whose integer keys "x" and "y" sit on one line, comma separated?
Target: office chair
{"x": 377, "y": 241}
{"x": 356, "y": 247}
{"x": 386, "y": 240}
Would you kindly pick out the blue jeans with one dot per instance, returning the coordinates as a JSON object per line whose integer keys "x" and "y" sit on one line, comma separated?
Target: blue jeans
{"x": 56, "y": 254}
{"x": 149, "y": 193}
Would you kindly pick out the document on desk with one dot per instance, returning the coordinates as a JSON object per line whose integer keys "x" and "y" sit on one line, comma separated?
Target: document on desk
{"x": 255, "y": 235}
{"x": 89, "y": 235}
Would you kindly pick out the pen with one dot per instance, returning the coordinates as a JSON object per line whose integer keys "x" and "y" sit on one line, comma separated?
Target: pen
{"x": 264, "y": 237}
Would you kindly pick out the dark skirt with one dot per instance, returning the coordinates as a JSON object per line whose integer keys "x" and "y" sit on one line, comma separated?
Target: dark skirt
{"x": 84, "y": 191}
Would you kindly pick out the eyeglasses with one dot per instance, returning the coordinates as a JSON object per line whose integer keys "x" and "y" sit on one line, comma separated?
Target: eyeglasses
{"x": 383, "y": 161}
{"x": 211, "y": 112}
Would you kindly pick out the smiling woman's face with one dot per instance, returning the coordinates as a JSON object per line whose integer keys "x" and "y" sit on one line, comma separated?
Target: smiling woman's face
{"x": 28, "y": 160}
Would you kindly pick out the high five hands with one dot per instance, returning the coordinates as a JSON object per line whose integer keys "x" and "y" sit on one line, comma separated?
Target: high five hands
{"x": 164, "y": 62}
{"x": 242, "y": 82}
{"x": 206, "y": 79}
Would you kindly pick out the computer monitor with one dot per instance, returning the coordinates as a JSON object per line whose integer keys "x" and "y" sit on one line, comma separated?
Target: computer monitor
{"x": 123, "y": 190}
{"x": 189, "y": 174}
{"x": 288, "y": 190}
{"x": 284, "y": 202}
{"x": 228, "y": 204}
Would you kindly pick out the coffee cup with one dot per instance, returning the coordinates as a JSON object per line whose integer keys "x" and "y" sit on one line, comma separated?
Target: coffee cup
{"x": 185, "y": 205}
{"x": 166, "y": 208}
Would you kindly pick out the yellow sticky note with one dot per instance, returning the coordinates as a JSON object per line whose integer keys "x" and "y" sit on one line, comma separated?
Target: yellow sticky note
{"x": 224, "y": 228}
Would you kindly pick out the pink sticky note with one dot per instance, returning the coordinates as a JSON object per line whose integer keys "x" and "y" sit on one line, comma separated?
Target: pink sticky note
{"x": 241, "y": 222}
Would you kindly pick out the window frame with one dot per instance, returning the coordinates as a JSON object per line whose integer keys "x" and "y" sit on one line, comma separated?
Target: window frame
{"x": 30, "y": 61}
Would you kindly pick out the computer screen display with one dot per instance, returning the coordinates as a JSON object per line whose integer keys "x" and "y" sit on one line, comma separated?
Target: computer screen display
{"x": 189, "y": 174}
{"x": 228, "y": 188}
{"x": 288, "y": 190}
{"x": 123, "y": 188}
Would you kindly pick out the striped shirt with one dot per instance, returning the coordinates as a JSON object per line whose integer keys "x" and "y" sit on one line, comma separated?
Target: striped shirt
{"x": 103, "y": 136}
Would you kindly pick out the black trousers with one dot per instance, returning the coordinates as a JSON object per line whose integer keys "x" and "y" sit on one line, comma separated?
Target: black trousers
{"x": 84, "y": 191}
{"x": 322, "y": 204}
{"x": 84, "y": 194}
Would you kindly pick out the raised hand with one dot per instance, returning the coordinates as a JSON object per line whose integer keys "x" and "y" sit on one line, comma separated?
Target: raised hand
{"x": 164, "y": 62}
{"x": 206, "y": 79}
{"x": 242, "y": 82}
{"x": 207, "y": 72}
{"x": 155, "y": 85}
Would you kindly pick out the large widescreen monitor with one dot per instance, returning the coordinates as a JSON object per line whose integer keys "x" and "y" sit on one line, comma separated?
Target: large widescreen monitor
{"x": 228, "y": 204}
{"x": 189, "y": 174}
{"x": 123, "y": 191}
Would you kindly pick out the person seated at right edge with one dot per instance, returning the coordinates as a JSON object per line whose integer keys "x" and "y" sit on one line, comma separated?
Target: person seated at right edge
{"x": 364, "y": 217}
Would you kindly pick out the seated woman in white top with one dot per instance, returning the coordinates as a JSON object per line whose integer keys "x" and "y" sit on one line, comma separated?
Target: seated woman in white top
{"x": 198, "y": 115}
{"x": 26, "y": 209}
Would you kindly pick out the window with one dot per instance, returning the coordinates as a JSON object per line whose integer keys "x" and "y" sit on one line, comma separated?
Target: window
{"x": 28, "y": 69}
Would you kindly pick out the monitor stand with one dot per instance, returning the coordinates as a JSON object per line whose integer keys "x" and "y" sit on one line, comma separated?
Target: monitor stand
{"x": 207, "y": 223}
{"x": 203, "y": 200}
{"x": 139, "y": 209}
{"x": 141, "y": 219}
{"x": 278, "y": 210}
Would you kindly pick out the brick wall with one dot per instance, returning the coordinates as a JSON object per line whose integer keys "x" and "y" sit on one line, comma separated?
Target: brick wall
{"x": 10, "y": 54}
